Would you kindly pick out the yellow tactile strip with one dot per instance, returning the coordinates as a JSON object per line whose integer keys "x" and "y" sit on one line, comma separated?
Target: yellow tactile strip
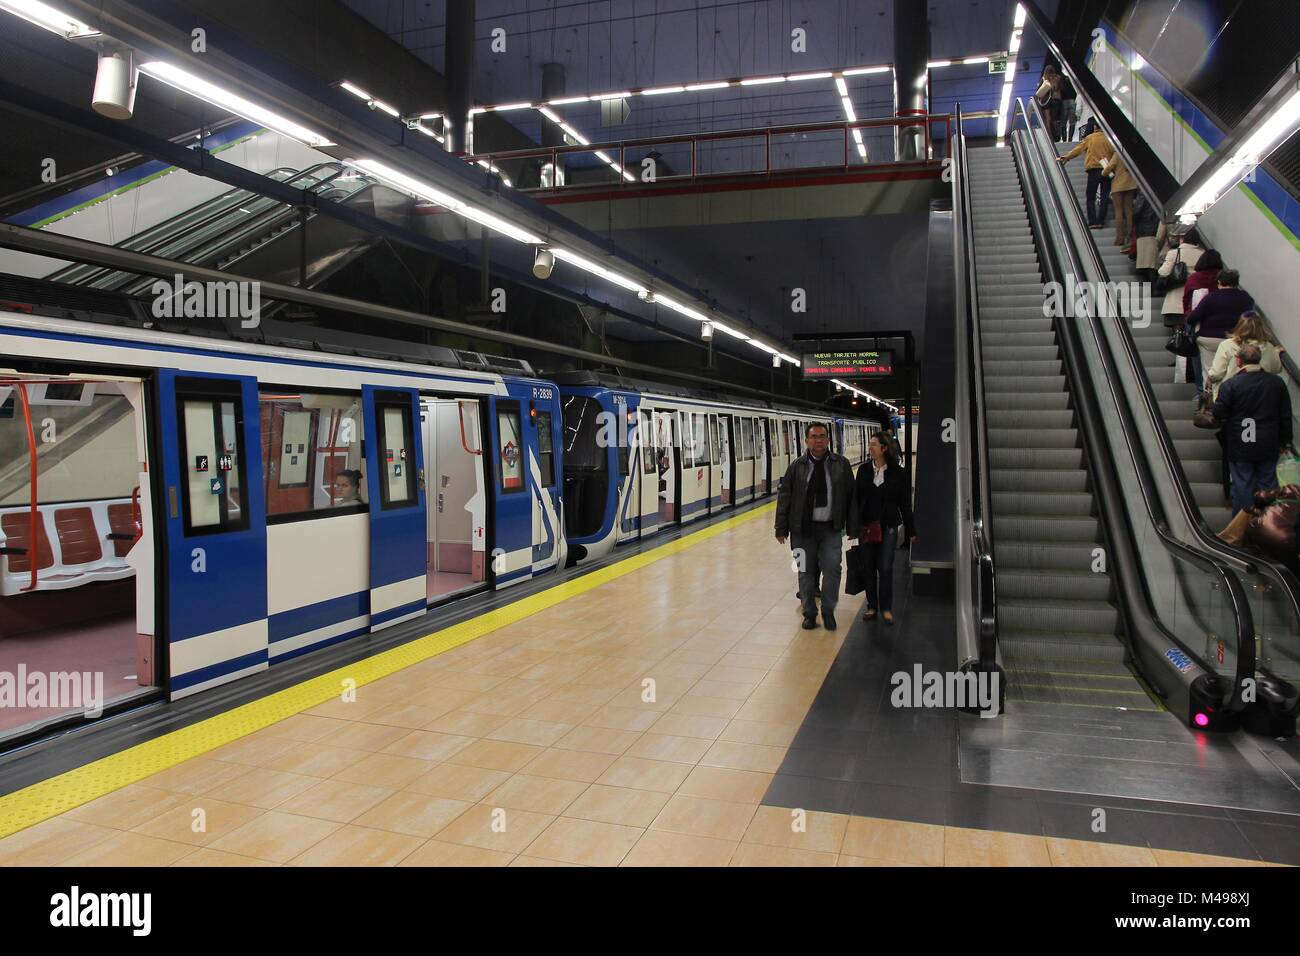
{"x": 49, "y": 798}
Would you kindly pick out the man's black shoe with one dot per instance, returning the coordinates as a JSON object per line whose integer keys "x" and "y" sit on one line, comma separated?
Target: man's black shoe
{"x": 809, "y": 623}
{"x": 828, "y": 619}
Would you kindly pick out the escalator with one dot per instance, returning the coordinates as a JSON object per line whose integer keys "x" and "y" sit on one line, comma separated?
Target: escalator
{"x": 241, "y": 232}
{"x": 1058, "y": 623}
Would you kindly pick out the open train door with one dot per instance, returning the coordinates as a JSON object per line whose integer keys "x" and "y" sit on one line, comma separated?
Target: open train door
{"x": 215, "y": 526}
{"x": 394, "y": 476}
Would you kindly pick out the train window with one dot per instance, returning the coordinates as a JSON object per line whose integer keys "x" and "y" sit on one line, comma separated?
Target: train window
{"x": 649, "y": 460}
{"x": 545, "y": 449}
{"x": 312, "y": 462}
{"x": 715, "y": 451}
{"x": 212, "y": 455}
{"x": 510, "y": 447}
{"x": 396, "y": 452}
{"x": 698, "y": 441}
{"x": 746, "y": 439}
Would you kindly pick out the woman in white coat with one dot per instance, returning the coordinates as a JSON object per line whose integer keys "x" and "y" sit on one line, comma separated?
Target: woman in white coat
{"x": 1188, "y": 250}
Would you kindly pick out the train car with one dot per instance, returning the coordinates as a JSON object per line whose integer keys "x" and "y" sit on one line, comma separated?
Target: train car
{"x": 178, "y": 511}
{"x": 640, "y": 457}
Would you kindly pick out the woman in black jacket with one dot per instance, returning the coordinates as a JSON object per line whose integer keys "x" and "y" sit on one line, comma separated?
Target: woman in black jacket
{"x": 884, "y": 502}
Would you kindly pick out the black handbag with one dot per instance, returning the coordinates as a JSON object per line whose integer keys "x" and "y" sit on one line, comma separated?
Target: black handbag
{"x": 855, "y": 577}
{"x": 1180, "y": 343}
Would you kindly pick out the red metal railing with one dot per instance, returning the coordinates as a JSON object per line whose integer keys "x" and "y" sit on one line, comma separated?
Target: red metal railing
{"x": 552, "y": 154}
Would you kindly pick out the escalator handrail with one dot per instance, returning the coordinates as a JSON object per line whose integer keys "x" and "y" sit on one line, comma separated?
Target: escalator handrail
{"x": 1232, "y": 588}
{"x": 968, "y": 309}
{"x": 1250, "y": 563}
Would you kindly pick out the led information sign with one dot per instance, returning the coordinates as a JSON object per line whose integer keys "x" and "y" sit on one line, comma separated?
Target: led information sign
{"x": 854, "y": 364}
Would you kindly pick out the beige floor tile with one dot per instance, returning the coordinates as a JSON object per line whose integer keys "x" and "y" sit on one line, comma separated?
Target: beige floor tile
{"x": 304, "y": 727}
{"x": 461, "y": 681}
{"x": 194, "y": 776}
{"x": 495, "y": 828}
{"x": 662, "y": 848}
{"x": 642, "y": 774}
{"x": 276, "y": 836}
{"x": 260, "y": 787}
{"x": 724, "y": 690}
{"x": 496, "y": 755}
{"x": 622, "y": 718}
{"x": 539, "y": 794}
{"x": 371, "y": 737}
{"x": 128, "y": 807}
{"x": 541, "y": 733}
{"x": 739, "y": 756}
{"x": 410, "y": 716}
{"x": 522, "y": 860}
{"x": 437, "y": 853}
{"x": 787, "y": 712}
{"x": 337, "y": 800}
{"x": 457, "y": 782}
{"x": 846, "y": 859}
{"x": 801, "y": 830}
{"x": 467, "y": 723}
{"x": 597, "y": 740}
{"x": 51, "y": 842}
{"x": 694, "y": 705}
{"x": 359, "y": 846}
{"x": 1179, "y": 858}
{"x": 1065, "y": 852}
{"x": 252, "y": 751}
{"x": 721, "y": 783}
{"x": 966, "y": 847}
{"x": 385, "y": 770}
{"x": 668, "y": 747}
{"x": 428, "y": 745}
{"x": 690, "y": 725}
{"x": 760, "y": 732}
{"x": 206, "y": 857}
{"x": 415, "y": 814}
{"x": 585, "y": 842}
{"x": 894, "y": 840}
{"x": 760, "y": 854}
{"x": 570, "y": 712}
{"x": 700, "y": 816}
{"x": 199, "y": 821}
{"x": 623, "y": 805}
{"x": 316, "y": 760}
{"x": 130, "y": 849}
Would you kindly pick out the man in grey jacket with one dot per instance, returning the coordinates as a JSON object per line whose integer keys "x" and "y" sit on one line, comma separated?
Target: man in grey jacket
{"x": 813, "y": 507}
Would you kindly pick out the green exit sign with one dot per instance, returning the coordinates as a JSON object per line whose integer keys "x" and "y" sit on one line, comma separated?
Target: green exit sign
{"x": 998, "y": 65}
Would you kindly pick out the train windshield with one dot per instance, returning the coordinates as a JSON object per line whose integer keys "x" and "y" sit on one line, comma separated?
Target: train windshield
{"x": 586, "y": 466}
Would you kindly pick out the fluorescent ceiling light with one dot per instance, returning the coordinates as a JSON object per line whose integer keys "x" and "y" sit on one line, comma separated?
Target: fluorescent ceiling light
{"x": 976, "y": 59}
{"x": 355, "y": 90}
{"x": 430, "y": 116}
{"x": 681, "y": 307}
{"x": 575, "y": 135}
{"x": 511, "y": 106}
{"x": 564, "y": 255}
{"x": 225, "y": 100}
{"x": 611, "y": 96}
{"x": 734, "y": 333}
{"x": 45, "y": 16}
{"x": 1020, "y": 16}
{"x": 422, "y": 190}
{"x": 697, "y": 87}
{"x": 421, "y": 128}
{"x": 1014, "y": 46}
{"x": 789, "y": 358}
{"x": 551, "y": 115}
{"x": 810, "y": 76}
{"x": 475, "y": 110}
{"x": 381, "y": 105}
{"x": 841, "y": 86}
{"x": 764, "y": 346}
{"x": 848, "y": 109}
{"x": 934, "y": 64}
{"x": 762, "y": 80}
{"x": 660, "y": 90}
{"x": 864, "y": 70}
{"x": 564, "y": 101}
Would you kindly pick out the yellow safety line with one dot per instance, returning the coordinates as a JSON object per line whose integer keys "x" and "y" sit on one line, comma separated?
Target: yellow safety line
{"x": 48, "y": 798}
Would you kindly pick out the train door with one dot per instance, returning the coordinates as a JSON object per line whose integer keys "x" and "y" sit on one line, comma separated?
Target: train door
{"x": 77, "y": 562}
{"x": 744, "y": 430}
{"x": 647, "y": 474}
{"x": 215, "y": 529}
{"x": 544, "y": 435}
{"x": 694, "y": 496}
{"x": 669, "y": 465}
{"x": 399, "y": 553}
{"x": 717, "y": 466}
{"x": 761, "y": 462}
{"x": 453, "y": 466}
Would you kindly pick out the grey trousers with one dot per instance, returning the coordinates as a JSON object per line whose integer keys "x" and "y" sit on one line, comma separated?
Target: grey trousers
{"x": 820, "y": 555}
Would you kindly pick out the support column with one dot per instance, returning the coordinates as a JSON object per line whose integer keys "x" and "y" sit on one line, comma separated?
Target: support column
{"x": 911, "y": 75}
{"x": 459, "y": 40}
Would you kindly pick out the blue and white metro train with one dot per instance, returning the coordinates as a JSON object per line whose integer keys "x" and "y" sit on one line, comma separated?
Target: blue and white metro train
{"x": 184, "y": 510}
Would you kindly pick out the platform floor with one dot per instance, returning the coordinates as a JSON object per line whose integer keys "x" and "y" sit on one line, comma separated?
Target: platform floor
{"x": 541, "y": 743}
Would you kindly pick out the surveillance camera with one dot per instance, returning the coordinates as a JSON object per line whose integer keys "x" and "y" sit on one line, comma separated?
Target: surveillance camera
{"x": 115, "y": 84}
{"x": 543, "y": 263}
